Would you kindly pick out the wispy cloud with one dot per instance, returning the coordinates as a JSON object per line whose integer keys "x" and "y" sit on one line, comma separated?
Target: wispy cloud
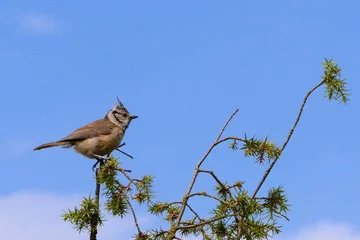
{"x": 325, "y": 230}
{"x": 39, "y": 24}
{"x": 36, "y": 216}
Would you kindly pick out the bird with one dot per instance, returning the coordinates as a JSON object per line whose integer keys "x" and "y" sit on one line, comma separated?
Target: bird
{"x": 99, "y": 138}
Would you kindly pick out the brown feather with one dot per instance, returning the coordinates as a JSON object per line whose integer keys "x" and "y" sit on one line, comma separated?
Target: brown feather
{"x": 51, "y": 144}
{"x": 94, "y": 129}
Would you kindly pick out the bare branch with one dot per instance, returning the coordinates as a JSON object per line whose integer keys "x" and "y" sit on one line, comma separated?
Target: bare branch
{"x": 205, "y": 222}
{"x": 196, "y": 172}
{"x": 134, "y": 215}
{"x": 118, "y": 149}
{"x": 214, "y": 145}
{"x": 193, "y": 211}
{"x": 267, "y": 172}
{"x": 227, "y": 122}
{"x": 172, "y": 203}
{"x": 204, "y": 194}
{"x": 215, "y": 178}
{"x": 124, "y": 172}
{"x": 126, "y": 154}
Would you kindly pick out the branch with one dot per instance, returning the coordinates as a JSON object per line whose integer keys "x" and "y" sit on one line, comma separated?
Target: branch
{"x": 126, "y": 154}
{"x": 214, "y": 145}
{"x": 118, "y": 149}
{"x": 173, "y": 203}
{"x": 124, "y": 172}
{"x": 267, "y": 172}
{"x": 193, "y": 211}
{"x": 94, "y": 222}
{"x": 205, "y": 222}
{"x": 196, "y": 172}
{"x": 204, "y": 194}
{"x": 134, "y": 216}
{"x": 227, "y": 189}
{"x": 216, "y": 179}
{"x": 227, "y": 122}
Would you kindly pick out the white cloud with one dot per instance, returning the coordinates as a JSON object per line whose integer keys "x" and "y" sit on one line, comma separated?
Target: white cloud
{"x": 325, "y": 231}
{"x": 36, "y": 216}
{"x": 320, "y": 231}
{"x": 39, "y": 24}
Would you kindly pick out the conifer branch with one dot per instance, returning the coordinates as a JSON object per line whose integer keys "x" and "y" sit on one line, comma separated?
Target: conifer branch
{"x": 267, "y": 172}
{"x": 175, "y": 226}
{"x": 95, "y": 217}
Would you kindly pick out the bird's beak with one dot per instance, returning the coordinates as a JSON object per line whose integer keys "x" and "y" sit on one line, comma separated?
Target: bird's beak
{"x": 133, "y": 117}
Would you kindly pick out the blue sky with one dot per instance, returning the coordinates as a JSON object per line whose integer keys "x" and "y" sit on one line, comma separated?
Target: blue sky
{"x": 183, "y": 67}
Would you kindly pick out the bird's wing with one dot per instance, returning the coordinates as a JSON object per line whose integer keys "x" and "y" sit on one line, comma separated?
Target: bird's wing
{"x": 94, "y": 129}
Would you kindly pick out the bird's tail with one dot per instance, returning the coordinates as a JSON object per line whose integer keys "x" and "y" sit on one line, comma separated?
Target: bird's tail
{"x": 52, "y": 144}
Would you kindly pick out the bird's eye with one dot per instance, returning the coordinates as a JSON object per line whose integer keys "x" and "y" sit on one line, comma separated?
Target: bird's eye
{"x": 124, "y": 115}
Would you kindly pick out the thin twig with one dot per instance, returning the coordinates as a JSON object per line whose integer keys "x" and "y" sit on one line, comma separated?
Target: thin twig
{"x": 227, "y": 122}
{"x": 126, "y": 154}
{"x": 216, "y": 179}
{"x": 118, "y": 149}
{"x": 227, "y": 139}
{"x": 227, "y": 189}
{"x": 204, "y": 194}
{"x": 205, "y": 222}
{"x": 123, "y": 171}
{"x": 134, "y": 216}
{"x": 214, "y": 145}
{"x": 287, "y": 139}
{"x": 193, "y": 211}
{"x": 172, "y": 203}
{"x": 196, "y": 172}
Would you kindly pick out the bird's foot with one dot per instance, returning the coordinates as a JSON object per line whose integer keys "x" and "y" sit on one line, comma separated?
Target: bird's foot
{"x": 99, "y": 159}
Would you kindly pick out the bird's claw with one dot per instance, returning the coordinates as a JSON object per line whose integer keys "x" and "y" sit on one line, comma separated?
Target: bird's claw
{"x": 99, "y": 159}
